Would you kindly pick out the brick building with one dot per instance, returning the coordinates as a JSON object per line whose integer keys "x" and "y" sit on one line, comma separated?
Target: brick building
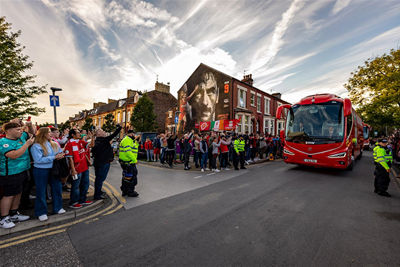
{"x": 122, "y": 109}
{"x": 210, "y": 95}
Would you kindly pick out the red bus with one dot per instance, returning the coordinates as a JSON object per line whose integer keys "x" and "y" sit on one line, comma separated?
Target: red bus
{"x": 322, "y": 130}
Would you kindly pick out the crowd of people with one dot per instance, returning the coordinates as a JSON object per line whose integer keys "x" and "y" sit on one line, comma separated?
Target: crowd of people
{"x": 213, "y": 151}
{"x": 42, "y": 158}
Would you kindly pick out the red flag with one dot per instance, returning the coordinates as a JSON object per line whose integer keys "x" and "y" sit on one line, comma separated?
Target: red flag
{"x": 205, "y": 125}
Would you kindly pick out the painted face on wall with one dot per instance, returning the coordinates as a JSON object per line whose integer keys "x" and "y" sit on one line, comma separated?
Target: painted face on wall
{"x": 205, "y": 99}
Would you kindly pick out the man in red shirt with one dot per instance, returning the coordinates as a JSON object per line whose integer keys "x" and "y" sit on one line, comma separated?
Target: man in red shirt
{"x": 77, "y": 152}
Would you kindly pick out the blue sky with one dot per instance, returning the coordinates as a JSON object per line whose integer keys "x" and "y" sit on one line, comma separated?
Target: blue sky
{"x": 96, "y": 49}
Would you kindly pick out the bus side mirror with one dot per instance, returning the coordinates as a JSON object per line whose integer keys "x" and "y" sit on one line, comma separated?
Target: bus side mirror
{"x": 282, "y": 135}
{"x": 347, "y": 107}
{"x": 279, "y": 111}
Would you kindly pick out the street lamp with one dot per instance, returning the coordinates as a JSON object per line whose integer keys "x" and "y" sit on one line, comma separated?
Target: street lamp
{"x": 54, "y": 90}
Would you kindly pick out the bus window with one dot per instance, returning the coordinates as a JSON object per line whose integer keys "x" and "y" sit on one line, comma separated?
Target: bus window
{"x": 349, "y": 124}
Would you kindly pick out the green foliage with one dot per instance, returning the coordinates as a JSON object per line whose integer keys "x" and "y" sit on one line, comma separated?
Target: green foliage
{"x": 109, "y": 124}
{"x": 17, "y": 88}
{"x": 88, "y": 124}
{"x": 143, "y": 118}
{"x": 375, "y": 90}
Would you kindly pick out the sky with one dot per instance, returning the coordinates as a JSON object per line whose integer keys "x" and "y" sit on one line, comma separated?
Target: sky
{"x": 97, "y": 49}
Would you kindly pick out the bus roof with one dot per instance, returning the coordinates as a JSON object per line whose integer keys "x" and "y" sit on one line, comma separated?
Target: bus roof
{"x": 319, "y": 98}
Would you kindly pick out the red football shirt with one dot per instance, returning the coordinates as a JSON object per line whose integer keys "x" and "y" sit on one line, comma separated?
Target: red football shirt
{"x": 78, "y": 150}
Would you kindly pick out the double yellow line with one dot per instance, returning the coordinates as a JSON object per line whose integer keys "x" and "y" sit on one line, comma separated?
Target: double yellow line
{"x": 113, "y": 207}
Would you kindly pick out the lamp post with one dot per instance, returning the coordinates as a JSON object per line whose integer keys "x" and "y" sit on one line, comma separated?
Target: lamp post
{"x": 54, "y": 90}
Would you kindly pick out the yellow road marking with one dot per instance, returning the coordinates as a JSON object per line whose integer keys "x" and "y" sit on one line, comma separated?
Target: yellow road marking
{"x": 113, "y": 189}
{"x": 113, "y": 204}
{"x": 31, "y": 238}
{"x": 114, "y": 210}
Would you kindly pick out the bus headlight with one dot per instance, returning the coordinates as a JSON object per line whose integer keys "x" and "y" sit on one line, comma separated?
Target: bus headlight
{"x": 285, "y": 151}
{"x": 338, "y": 155}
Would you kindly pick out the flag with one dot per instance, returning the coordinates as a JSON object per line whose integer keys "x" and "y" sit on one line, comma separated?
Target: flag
{"x": 221, "y": 125}
{"x": 205, "y": 125}
{"x": 215, "y": 125}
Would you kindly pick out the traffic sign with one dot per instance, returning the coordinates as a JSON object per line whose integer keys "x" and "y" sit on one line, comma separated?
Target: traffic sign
{"x": 54, "y": 101}
{"x": 176, "y": 119}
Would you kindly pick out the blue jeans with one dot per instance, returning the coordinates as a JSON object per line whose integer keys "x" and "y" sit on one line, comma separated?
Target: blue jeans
{"x": 204, "y": 157}
{"x": 79, "y": 188}
{"x": 42, "y": 178}
{"x": 149, "y": 155}
{"x": 162, "y": 157}
{"x": 101, "y": 172}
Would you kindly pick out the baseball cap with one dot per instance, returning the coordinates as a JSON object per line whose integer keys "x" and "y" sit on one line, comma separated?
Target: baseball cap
{"x": 383, "y": 140}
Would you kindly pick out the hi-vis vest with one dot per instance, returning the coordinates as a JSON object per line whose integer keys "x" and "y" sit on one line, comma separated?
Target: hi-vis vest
{"x": 381, "y": 157}
{"x": 128, "y": 150}
{"x": 238, "y": 145}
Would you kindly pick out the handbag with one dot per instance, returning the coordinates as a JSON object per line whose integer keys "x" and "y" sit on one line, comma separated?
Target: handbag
{"x": 60, "y": 168}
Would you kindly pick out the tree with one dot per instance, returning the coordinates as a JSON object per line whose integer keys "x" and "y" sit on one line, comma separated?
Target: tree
{"x": 143, "y": 118}
{"x": 109, "y": 124}
{"x": 17, "y": 88}
{"x": 375, "y": 90}
{"x": 88, "y": 124}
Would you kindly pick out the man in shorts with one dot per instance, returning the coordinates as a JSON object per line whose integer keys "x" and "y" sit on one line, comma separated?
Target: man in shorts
{"x": 14, "y": 166}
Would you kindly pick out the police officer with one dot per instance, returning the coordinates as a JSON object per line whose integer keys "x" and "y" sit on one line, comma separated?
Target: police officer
{"x": 238, "y": 146}
{"x": 383, "y": 161}
{"x": 128, "y": 152}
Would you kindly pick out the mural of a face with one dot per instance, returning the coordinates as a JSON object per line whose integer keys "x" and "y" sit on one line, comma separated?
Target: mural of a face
{"x": 205, "y": 99}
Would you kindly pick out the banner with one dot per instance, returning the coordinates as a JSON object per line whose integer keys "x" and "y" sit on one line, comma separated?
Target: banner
{"x": 220, "y": 125}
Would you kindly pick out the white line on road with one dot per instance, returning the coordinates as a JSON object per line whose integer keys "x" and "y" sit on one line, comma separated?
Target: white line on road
{"x": 210, "y": 174}
{"x": 197, "y": 177}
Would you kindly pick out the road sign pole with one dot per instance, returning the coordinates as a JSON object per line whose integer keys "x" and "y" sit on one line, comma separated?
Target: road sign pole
{"x": 55, "y": 112}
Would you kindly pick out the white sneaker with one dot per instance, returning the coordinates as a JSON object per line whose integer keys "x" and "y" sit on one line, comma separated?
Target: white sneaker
{"x": 202, "y": 170}
{"x": 226, "y": 169}
{"x": 216, "y": 170}
{"x": 19, "y": 217}
{"x": 43, "y": 218}
{"x": 61, "y": 211}
{"x": 247, "y": 163}
{"x": 6, "y": 223}
{"x": 207, "y": 169}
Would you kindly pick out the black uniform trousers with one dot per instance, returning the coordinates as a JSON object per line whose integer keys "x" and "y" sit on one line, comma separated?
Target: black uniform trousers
{"x": 382, "y": 178}
{"x": 186, "y": 157}
{"x": 237, "y": 158}
{"x": 129, "y": 178}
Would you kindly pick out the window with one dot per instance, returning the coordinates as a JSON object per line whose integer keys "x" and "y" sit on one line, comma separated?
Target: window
{"x": 266, "y": 126}
{"x": 118, "y": 117}
{"x": 99, "y": 122}
{"x": 242, "y": 97}
{"x": 281, "y": 126}
{"x": 258, "y": 104}
{"x": 123, "y": 116}
{"x": 170, "y": 114}
{"x": 246, "y": 123}
{"x": 271, "y": 128}
{"x": 252, "y": 97}
{"x": 239, "y": 125}
{"x": 129, "y": 115}
{"x": 267, "y": 105}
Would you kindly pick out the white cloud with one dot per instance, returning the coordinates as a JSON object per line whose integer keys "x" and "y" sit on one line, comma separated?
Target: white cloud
{"x": 277, "y": 36}
{"x": 340, "y": 5}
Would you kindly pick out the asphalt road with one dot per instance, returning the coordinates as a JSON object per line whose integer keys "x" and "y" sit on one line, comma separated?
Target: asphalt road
{"x": 270, "y": 214}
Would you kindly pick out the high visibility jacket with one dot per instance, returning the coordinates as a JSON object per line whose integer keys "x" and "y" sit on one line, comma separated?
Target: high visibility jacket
{"x": 128, "y": 150}
{"x": 389, "y": 157}
{"x": 380, "y": 157}
{"x": 239, "y": 145}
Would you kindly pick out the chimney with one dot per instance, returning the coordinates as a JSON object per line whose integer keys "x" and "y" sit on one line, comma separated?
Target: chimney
{"x": 111, "y": 100}
{"x": 248, "y": 79}
{"x": 98, "y": 104}
{"x": 277, "y": 95}
{"x": 130, "y": 93}
{"x": 160, "y": 87}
